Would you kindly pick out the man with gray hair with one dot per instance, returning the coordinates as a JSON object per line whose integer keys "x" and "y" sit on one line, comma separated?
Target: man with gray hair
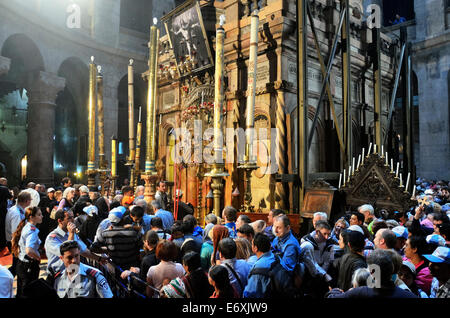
{"x": 166, "y": 216}
{"x": 82, "y": 201}
{"x": 319, "y": 216}
{"x": 369, "y": 215}
{"x": 139, "y": 193}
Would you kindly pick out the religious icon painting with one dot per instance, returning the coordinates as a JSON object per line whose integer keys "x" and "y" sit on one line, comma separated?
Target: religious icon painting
{"x": 188, "y": 39}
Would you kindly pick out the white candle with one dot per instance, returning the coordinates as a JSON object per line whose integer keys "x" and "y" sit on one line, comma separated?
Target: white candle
{"x": 344, "y": 177}
{"x": 375, "y": 148}
{"x": 392, "y": 165}
{"x": 407, "y": 181}
{"x": 414, "y": 192}
{"x": 359, "y": 161}
{"x": 401, "y": 181}
{"x": 362, "y": 161}
{"x": 370, "y": 147}
{"x": 387, "y": 161}
{"x": 349, "y": 172}
{"x": 382, "y": 150}
{"x": 340, "y": 180}
{"x": 396, "y": 172}
{"x": 353, "y": 165}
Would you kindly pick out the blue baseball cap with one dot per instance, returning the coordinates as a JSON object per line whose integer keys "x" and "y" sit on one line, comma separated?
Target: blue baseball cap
{"x": 90, "y": 210}
{"x": 440, "y": 255}
{"x": 435, "y": 239}
{"x": 116, "y": 214}
{"x": 401, "y": 231}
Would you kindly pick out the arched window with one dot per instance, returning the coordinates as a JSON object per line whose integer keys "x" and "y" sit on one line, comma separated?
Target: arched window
{"x": 404, "y": 8}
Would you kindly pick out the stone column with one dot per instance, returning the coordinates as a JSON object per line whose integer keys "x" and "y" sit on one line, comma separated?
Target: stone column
{"x": 5, "y": 63}
{"x": 42, "y": 88}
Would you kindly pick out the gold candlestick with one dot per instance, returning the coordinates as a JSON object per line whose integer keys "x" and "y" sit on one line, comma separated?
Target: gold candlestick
{"x": 217, "y": 172}
{"x": 113, "y": 156}
{"x": 137, "y": 161}
{"x": 102, "y": 169}
{"x": 131, "y": 137}
{"x": 150, "y": 174}
{"x": 91, "y": 119}
{"x": 249, "y": 162}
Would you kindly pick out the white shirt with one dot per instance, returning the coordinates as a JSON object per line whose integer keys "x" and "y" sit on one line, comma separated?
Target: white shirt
{"x": 6, "y": 283}
{"x": 13, "y": 217}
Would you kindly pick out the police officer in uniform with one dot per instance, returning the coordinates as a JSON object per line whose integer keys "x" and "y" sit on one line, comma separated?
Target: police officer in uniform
{"x": 78, "y": 279}
{"x": 66, "y": 231}
{"x": 25, "y": 244}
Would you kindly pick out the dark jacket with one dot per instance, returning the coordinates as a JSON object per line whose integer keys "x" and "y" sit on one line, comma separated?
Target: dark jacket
{"x": 418, "y": 229}
{"x": 184, "y": 209}
{"x": 80, "y": 205}
{"x": 103, "y": 208}
{"x": 89, "y": 228}
{"x": 348, "y": 264}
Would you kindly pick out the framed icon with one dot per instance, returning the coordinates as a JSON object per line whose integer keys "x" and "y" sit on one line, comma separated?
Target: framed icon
{"x": 187, "y": 37}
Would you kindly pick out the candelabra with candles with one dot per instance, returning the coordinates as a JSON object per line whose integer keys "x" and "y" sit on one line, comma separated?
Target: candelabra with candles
{"x": 345, "y": 178}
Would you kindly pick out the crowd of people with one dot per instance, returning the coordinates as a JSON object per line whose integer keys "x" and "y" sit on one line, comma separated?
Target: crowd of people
{"x": 120, "y": 246}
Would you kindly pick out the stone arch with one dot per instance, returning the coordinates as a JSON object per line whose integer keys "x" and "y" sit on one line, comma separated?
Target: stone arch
{"x": 316, "y": 153}
{"x": 71, "y": 124}
{"x": 25, "y": 57}
{"x": 25, "y": 60}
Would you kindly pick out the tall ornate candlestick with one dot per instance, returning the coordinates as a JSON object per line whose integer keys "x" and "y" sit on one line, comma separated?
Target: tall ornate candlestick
{"x": 150, "y": 175}
{"x": 91, "y": 172}
{"x": 113, "y": 163}
{"x": 217, "y": 172}
{"x": 102, "y": 168}
{"x": 249, "y": 160}
{"x": 131, "y": 137}
{"x": 137, "y": 159}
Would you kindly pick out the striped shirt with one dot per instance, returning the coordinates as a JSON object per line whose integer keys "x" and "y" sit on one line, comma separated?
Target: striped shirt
{"x": 123, "y": 245}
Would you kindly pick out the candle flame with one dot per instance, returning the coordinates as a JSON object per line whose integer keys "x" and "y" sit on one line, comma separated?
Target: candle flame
{"x": 99, "y": 68}
{"x": 155, "y": 21}
{"x": 131, "y": 61}
{"x": 222, "y": 20}
{"x": 92, "y": 59}
{"x": 255, "y": 12}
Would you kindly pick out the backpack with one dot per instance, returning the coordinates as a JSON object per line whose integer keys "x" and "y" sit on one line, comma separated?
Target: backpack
{"x": 283, "y": 283}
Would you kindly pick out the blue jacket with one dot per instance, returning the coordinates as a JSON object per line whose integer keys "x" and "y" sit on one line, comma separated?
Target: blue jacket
{"x": 289, "y": 249}
{"x": 257, "y": 284}
{"x": 166, "y": 217}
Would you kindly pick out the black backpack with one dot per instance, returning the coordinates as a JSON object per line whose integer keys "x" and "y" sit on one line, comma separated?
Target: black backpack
{"x": 283, "y": 283}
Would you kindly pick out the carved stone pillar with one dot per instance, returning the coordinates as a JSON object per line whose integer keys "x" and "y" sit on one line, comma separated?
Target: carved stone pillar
{"x": 42, "y": 90}
{"x": 282, "y": 148}
{"x": 5, "y": 63}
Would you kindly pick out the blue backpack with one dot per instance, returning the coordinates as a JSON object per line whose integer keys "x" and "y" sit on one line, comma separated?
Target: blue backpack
{"x": 283, "y": 283}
